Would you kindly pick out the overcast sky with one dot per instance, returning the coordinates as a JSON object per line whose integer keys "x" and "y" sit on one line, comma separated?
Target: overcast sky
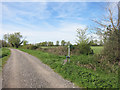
{"x": 49, "y": 21}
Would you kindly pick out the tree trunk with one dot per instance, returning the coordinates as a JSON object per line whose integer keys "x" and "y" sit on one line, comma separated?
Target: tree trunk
{"x": 16, "y": 45}
{"x": 12, "y": 45}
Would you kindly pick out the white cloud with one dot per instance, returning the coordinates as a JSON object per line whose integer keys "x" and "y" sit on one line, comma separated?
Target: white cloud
{"x": 0, "y": 15}
{"x": 36, "y": 33}
{"x": 28, "y": 10}
{"x": 69, "y": 10}
{"x": 67, "y": 31}
{"x": 60, "y": 0}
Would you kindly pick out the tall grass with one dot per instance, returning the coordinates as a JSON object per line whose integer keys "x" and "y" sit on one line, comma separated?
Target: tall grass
{"x": 4, "y": 55}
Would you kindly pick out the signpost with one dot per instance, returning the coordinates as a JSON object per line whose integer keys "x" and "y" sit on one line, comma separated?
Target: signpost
{"x": 69, "y": 52}
{"x": 68, "y": 56}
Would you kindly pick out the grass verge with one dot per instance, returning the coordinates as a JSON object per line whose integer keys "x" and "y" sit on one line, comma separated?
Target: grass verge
{"x": 73, "y": 71}
{"x": 4, "y": 55}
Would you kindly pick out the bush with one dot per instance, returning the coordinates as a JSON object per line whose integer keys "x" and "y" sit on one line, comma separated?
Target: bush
{"x": 4, "y": 56}
{"x": 83, "y": 42}
{"x": 60, "y": 50}
{"x": 30, "y": 46}
{"x": 110, "y": 56}
{"x": 83, "y": 48}
{"x": 112, "y": 46}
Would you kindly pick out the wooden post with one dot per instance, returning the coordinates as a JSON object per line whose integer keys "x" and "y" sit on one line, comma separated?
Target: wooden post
{"x": 69, "y": 52}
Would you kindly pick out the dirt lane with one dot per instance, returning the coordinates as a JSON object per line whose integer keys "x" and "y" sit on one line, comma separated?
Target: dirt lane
{"x": 0, "y": 80}
{"x": 25, "y": 71}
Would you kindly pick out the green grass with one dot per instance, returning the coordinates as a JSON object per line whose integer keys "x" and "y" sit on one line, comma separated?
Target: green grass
{"x": 97, "y": 49}
{"x": 80, "y": 75}
{"x": 4, "y": 55}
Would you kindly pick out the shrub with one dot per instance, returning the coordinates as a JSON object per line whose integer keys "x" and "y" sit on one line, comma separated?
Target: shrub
{"x": 33, "y": 47}
{"x": 60, "y": 50}
{"x": 82, "y": 48}
{"x": 83, "y": 42}
{"x": 112, "y": 46}
{"x": 110, "y": 56}
{"x": 30, "y": 46}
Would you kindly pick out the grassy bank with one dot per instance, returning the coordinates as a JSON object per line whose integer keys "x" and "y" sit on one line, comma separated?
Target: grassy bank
{"x": 4, "y": 55}
{"x": 80, "y": 70}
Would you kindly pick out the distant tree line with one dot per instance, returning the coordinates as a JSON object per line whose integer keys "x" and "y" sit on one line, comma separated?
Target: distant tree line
{"x": 15, "y": 40}
{"x": 96, "y": 43}
{"x": 50, "y": 43}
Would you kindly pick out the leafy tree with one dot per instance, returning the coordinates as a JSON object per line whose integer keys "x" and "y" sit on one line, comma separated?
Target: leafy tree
{"x": 57, "y": 43}
{"x": 68, "y": 43}
{"x": 63, "y": 42}
{"x": 39, "y": 44}
{"x": 50, "y": 43}
{"x": 82, "y": 42}
{"x": 3, "y": 43}
{"x": 45, "y": 43}
{"x": 81, "y": 36}
{"x": 14, "y": 39}
{"x": 101, "y": 43}
{"x": 25, "y": 42}
{"x": 93, "y": 43}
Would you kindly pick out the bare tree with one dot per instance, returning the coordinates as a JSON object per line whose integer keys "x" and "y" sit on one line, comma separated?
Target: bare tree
{"x": 110, "y": 18}
{"x": 109, "y": 29}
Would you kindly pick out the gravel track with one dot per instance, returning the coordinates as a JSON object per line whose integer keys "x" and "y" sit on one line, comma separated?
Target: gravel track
{"x": 26, "y": 71}
{"x": 0, "y": 80}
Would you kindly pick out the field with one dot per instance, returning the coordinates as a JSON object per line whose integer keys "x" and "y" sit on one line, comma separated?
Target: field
{"x": 4, "y": 55}
{"x": 97, "y": 49}
{"x": 48, "y": 46}
{"x": 82, "y": 69}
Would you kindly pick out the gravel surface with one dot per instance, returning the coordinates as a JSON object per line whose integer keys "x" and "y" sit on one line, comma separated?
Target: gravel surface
{"x": 26, "y": 71}
{"x": 0, "y": 80}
